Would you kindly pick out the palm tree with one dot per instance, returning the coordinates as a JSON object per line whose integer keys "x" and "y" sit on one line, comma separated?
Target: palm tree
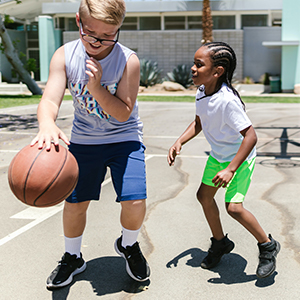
{"x": 207, "y": 23}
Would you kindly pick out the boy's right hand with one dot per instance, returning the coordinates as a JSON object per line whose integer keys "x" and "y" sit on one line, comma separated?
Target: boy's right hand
{"x": 49, "y": 134}
{"x": 173, "y": 152}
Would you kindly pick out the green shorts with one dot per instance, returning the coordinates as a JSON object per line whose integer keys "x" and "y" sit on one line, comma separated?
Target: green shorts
{"x": 239, "y": 184}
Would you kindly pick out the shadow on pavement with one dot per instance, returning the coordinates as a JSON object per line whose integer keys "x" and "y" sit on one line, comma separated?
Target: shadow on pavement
{"x": 231, "y": 269}
{"x": 284, "y": 140}
{"x": 18, "y": 122}
{"x": 107, "y": 275}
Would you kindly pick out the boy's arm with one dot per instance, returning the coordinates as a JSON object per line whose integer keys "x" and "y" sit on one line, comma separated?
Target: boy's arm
{"x": 193, "y": 129}
{"x": 49, "y": 105}
{"x": 121, "y": 104}
{"x": 223, "y": 177}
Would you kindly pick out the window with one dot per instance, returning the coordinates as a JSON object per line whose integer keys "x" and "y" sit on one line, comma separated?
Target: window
{"x": 254, "y": 20}
{"x": 277, "y": 22}
{"x": 60, "y": 23}
{"x": 219, "y": 22}
{"x": 194, "y": 22}
{"x": 33, "y": 44}
{"x": 150, "y": 23}
{"x": 223, "y": 22}
{"x": 129, "y": 23}
{"x": 174, "y": 23}
{"x": 35, "y": 53}
{"x": 32, "y": 31}
{"x": 72, "y": 26}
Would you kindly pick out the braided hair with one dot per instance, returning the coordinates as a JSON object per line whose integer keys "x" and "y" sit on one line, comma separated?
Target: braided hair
{"x": 223, "y": 55}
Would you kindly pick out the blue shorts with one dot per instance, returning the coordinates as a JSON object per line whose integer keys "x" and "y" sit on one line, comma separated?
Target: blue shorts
{"x": 126, "y": 161}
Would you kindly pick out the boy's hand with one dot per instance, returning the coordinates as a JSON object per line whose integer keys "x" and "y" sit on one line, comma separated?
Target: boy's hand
{"x": 49, "y": 134}
{"x": 94, "y": 70}
{"x": 173, "y": 152}
{"x": 222, "y": 178}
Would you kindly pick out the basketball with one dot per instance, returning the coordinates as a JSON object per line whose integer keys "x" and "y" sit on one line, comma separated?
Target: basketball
{"x": 42, "y": 178}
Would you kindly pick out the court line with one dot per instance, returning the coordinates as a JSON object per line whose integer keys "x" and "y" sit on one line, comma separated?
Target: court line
{"x": 32, "y": 212}
{"x": 27, "y": 214}
{"x": 9, "y": 151}
{"x": 17, "y": 132}
{"x": 145, "y": 136}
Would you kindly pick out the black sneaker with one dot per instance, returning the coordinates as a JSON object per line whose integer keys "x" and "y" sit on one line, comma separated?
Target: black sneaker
{"x": 63, "y": 274}
{"x": 267, "y": 258}
{"x": 136, "y": 264}
{"x": 216, "y": 251}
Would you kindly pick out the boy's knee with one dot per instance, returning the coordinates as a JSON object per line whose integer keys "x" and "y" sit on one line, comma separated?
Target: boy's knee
{"x": 75, "y": 208}
{"x": 134, "y": 204}
{"x": 234, "y": 209}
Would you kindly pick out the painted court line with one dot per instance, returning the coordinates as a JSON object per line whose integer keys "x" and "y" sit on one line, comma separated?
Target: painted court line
{"x": 40, "y": 214}
{"x": 9, "y": 151}
{"x": 30, "y": 225}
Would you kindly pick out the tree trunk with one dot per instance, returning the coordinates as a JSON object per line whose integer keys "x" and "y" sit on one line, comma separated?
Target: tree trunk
{"x": 207, "y": 23}
{"x": 12, "y": 56}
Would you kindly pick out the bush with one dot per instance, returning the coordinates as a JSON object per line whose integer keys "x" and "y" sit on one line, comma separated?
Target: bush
{"x": 265, "y": 79}
{"x": 149, "y": 73}
{"x": 182, "y": 75}
{"x": 248, "y": 80}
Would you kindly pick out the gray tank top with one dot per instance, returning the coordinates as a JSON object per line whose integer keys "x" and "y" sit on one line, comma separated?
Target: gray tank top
{"x": 92, "y": 125}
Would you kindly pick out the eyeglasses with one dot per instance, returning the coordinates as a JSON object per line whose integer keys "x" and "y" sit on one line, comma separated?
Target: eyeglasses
{"x": 92, "y": 40}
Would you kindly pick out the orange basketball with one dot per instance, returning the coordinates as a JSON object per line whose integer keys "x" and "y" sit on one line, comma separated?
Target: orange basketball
{"x": 43, "y": 178}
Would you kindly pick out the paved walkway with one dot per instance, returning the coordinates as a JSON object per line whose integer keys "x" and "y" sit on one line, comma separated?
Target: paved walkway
{"x": 175, "y": 235}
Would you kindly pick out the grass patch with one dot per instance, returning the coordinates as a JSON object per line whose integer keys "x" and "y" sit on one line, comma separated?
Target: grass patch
{"x": 247, "y": 99}
{"x": 160, "y": 98}
{"x": 20, "y": 100}
{"x": 270, "y": 99}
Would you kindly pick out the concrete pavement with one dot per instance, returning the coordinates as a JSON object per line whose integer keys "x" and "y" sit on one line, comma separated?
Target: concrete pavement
{"x": 175, "y": 235}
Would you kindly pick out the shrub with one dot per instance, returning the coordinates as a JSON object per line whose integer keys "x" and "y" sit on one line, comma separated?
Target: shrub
{"x": 182, "y": 75}
{"x": 149, "y": 73}
{"x": 265, "y": 79}
{"x": 248, "y": 80}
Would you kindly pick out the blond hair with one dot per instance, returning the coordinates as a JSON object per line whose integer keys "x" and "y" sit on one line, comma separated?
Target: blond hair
{"x": 108, "y": 11}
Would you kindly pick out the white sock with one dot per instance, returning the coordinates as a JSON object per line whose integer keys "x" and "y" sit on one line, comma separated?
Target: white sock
{"x": 73, "y": 245}
{"x": 129, "y": 237}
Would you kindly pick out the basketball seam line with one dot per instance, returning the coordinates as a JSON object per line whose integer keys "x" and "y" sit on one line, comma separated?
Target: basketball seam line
{"x": 66, "y": 154}
{"x": 28, "y": 173}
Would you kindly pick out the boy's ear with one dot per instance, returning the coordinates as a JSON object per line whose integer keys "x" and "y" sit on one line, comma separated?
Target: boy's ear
{"x": 219, "y": 71}
{"x": 77, "y": 19}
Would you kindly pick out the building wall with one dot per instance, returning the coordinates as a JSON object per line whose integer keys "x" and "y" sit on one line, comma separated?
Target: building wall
{"x": 291, "y": 54}
{"x": 259, "y": 59}
{"x": 172, "y": 48}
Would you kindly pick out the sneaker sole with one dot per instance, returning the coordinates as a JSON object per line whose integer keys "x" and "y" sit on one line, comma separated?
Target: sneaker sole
{"x": 278, "y": 247}
{"x": 69, "y": 280}
{"x": 127, "y": 265}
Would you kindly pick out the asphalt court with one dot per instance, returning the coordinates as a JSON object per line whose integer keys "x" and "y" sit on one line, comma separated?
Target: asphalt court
{"x": 175, "y": 236}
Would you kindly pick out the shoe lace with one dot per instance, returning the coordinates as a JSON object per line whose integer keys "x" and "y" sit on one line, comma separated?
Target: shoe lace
{"x": 65, "y": 261}
{"x": 134, "y": 252}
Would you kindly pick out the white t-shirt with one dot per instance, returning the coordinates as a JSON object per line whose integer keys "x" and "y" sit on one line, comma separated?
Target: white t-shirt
{"x": 222, "y": 118}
